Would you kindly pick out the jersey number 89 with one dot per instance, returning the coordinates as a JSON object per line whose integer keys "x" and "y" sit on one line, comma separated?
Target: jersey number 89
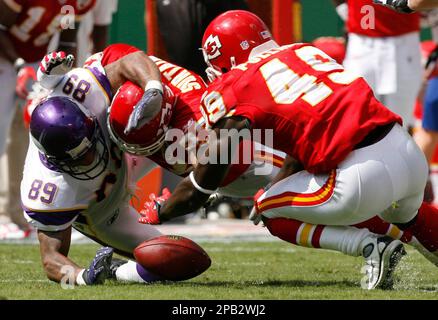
{"x": 47, "y": 191}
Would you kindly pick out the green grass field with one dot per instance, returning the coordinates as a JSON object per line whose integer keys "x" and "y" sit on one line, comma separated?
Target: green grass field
{"x": 271, "y": 270}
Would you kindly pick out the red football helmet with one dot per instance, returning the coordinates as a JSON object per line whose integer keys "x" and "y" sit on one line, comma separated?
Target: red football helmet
{"x": 334, "y": 47}
{"x": 148, "y": 139}
{"x": 230, "y": 37}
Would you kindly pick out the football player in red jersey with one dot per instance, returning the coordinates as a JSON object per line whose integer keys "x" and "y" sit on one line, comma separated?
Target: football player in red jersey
{"x": 384, "y": 47}
{"x": 178, "y": 126}
{"x": 358, "y": 160}
{"x": 241, "y": 181}
{"x": 26, "y": 27}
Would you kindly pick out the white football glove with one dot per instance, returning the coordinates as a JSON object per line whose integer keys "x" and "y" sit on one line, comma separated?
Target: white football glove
{"x": 53, "y": 67}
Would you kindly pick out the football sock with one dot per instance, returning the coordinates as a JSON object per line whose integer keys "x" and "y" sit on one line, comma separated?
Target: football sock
{"x": 424, "y": 227}
{"x": 295, "y": 232}
{"x": 378, "y": 226}
{"x": 133, "y": 272}
{"x": 345, "y": 239}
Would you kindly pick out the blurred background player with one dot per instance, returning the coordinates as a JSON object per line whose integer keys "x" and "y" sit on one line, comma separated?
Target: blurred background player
{"x": 93, "y": 31}
{"x": 384, "y": 47}
{"x": 426, "y": 132}
{"x": 26, "y": 28}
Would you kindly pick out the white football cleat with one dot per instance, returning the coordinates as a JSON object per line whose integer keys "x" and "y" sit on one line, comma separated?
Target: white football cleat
{"x": 382, "y": 254}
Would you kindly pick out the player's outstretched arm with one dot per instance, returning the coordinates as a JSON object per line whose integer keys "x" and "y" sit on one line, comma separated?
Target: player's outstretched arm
{"x": 54, "y": 247}
{"x": 136, "y": 67}
{"x": 195, "y": 190}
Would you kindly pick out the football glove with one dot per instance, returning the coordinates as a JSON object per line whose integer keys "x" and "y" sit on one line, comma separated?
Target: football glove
{"x": 397, "y": 5}
{"x": 254, "y": 216}
{"x": 35, "y": 97}
{"x": 25, "y": 77}
{"x": 145, "y": 110}
{"x": 56, "y": 63}
{"x": 53, "y": 67}
{"x": 99, "y": 269}
{"x": 150, "y": 214}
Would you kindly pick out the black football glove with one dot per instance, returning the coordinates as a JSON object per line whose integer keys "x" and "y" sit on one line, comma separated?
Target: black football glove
{"x": 99, "y": 269}
{"x": 147, "y": 108}
{"x": 397, "y": 5}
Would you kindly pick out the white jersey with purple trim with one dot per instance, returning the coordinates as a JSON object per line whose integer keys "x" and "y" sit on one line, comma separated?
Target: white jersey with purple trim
{"x": 53, "y": 201}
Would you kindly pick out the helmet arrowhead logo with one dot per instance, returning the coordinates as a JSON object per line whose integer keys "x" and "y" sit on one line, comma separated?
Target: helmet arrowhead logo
{"x": 212, "y": 46}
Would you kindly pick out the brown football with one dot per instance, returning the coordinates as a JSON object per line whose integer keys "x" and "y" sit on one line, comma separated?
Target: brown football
{"x": 172, "y": 257}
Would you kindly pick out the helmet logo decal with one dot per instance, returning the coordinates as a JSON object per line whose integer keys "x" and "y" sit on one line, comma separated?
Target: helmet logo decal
{"x": 212, "y": 46}
{"x": 265, "y": 34}
{"x": 244, "y": 45}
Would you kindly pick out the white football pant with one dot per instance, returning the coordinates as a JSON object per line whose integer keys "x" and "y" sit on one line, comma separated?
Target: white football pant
{"x": 392, "y": 68}
{"x": 386, "y": 179}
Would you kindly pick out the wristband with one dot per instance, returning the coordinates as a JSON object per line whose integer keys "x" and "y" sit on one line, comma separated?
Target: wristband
{"x": 198, "y": 187}
{"x": 154, "y": 84}
{"x": 80, "y": 278}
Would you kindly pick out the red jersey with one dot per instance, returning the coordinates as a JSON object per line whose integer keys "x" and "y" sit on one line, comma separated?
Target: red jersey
{"x": 114, "y": 52}
{"x": 317, "y": 111}
{"x": 372, "y": 20}
{"x": 38, "y": 21}
{"x": 187, "y": 88}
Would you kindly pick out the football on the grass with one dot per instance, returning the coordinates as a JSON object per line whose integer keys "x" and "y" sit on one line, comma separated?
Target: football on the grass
{"x": 172, "y": 257}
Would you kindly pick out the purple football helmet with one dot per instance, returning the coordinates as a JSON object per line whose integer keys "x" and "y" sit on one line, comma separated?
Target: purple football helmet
{"x": 68, "y": 135}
